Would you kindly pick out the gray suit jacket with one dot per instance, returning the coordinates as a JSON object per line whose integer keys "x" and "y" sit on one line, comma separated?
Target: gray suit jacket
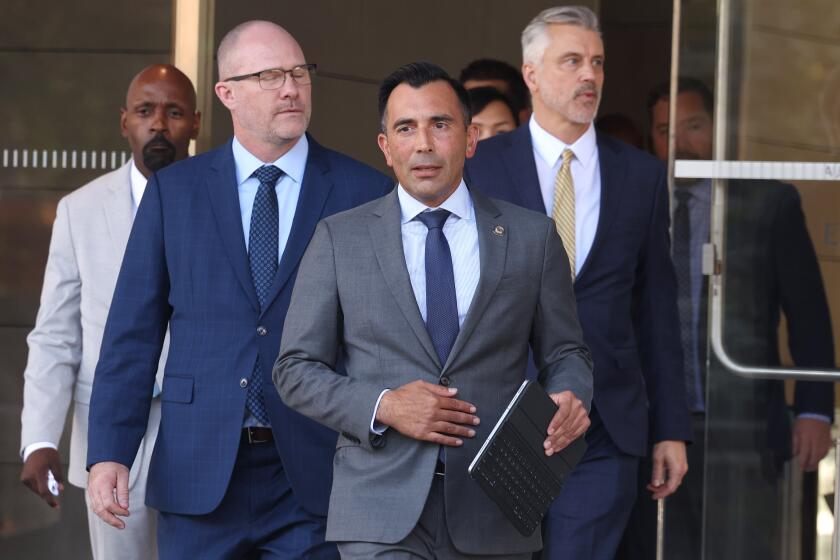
{"x": 354, "y": 299}
{"x": 88, "y": 241}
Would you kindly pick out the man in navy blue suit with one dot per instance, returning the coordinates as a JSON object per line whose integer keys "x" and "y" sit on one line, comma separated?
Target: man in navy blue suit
{"x": 610, "y": 205}
{"x": 213, "y": 255}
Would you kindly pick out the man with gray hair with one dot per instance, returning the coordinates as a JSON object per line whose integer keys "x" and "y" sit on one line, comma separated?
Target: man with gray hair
{"x": 610, "y": 205}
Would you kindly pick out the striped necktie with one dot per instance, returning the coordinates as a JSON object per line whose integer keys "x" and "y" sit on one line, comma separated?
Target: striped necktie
{"x": 563, "y": 210}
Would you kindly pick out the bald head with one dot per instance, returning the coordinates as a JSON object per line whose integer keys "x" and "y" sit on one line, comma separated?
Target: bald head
{"x": 268, "y": 119}
{"x": 238, "y": 43}
{"x": 163, "y": 74}
{"x": 159, "y": 118}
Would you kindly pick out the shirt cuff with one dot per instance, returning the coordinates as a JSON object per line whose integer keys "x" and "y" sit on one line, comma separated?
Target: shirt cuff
{"x": 814, "y": 416}
{"x": 378, "y": 428}
{"x": 32, "y": 447}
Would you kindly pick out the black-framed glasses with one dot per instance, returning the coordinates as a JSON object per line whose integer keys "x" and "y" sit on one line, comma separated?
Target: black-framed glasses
{"x": 274, "y": 78}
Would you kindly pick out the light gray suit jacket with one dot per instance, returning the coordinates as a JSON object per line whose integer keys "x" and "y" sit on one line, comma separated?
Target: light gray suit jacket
{"x": 89, "y": 236}
{"x": 353, "y": 299}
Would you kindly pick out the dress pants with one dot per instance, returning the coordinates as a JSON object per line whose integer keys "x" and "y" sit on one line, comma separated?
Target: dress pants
{"x": 429, "y": 540}
{"x": 258, "y": 518}
{"x": 587, "y": 520}
{"x": 138, "y": 541}
{"x": 683, "y": 510}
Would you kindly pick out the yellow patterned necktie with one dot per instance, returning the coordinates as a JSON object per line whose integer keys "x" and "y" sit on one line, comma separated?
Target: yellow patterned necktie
{"x": 563, "y": 210}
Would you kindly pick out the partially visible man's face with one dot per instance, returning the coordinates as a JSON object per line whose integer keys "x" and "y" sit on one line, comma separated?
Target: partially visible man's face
{"x": 159, "y": 118}
{"x": 277, "y": 117}
{"x": 494, "y": 119}
{"x": 693, "y": 131}
{"x": 570, "y": 78}
{"x": 426, "y": 140}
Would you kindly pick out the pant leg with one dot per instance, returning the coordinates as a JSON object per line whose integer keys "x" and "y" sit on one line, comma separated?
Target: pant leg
{"x": 258, "y": 517}
{"x": 588, "y": 518}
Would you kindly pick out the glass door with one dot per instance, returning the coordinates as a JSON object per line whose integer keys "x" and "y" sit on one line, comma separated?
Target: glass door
{"x": 772, "y": 267}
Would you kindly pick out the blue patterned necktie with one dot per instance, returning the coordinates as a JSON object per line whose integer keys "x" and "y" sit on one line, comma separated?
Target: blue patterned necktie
{"x": 262, "y": 254}
{"x": 441, "y": 302}
{"x": 682, "y": 267}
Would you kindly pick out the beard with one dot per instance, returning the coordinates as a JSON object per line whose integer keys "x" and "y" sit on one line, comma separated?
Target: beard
{"x": 572, "y": 109}
{"x": 158, "y": 153}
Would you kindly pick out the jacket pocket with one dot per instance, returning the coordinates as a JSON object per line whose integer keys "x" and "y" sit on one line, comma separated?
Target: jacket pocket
{"x": 177, "y": 389}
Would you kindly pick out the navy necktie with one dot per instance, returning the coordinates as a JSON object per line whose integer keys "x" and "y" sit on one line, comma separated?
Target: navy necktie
{"x": 682, "y": 266}
{"x": 263, "y": 239}
{"x": 441, "y": 303}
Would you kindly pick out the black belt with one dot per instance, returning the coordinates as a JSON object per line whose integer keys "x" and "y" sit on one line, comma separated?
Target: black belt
{"x": 257, "y": 435}
{"x": 440, "y": 468}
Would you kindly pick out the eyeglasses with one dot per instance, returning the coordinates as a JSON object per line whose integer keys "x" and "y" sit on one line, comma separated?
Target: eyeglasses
{"x": 274, "y": 78}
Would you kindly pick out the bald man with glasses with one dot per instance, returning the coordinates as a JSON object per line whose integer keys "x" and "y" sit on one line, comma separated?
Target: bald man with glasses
{"x": 214, "y": 254}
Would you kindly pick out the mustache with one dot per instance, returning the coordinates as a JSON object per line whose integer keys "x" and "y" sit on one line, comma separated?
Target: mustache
{"x": 586, "y": 88}
{"x": 159, "y": 140}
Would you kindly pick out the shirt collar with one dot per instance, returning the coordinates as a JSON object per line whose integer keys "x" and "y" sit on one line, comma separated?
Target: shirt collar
{"x": 138, "y": 185}
{"x": 459, "y": 203}
{"x": 550, "y": 148}
{"x": 700, "y": 191}
{"x": 293, "y": 162}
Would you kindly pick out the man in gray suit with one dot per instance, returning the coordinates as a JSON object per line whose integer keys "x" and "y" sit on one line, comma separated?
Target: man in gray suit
{"x": 88, "y": 241}
{"x": 431, "y": 295}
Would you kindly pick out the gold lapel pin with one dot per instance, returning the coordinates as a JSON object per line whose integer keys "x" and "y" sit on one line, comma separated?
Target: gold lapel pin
{"x": 499, "y": 230}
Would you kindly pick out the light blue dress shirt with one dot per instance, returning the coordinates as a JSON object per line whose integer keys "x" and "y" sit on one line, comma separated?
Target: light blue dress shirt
{"x": 293, "y": 165}
{"x": 461, "y": 232}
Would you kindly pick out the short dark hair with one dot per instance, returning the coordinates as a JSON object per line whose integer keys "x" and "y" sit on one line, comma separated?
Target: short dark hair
{"x": 418, "y": 74}
{"x": 491, "y": 69}
{"x": 484, "y": 96}
{"x": 684, "y": 85}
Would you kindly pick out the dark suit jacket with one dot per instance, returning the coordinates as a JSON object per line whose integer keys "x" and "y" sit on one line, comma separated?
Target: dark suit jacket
{"x": 626, "y": 290}
{"x": 186, "y": 266}
{"x": 771, "y": 267}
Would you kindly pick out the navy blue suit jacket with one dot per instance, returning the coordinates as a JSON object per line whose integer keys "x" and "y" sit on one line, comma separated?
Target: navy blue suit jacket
{"x": 626, "y": 290}
{"x": 186, "y": 266}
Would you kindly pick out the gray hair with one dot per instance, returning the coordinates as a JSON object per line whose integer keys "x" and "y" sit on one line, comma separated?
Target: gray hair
{"x": 535, "y": 35}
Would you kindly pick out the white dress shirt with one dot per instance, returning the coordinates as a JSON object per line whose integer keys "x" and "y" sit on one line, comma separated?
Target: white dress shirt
{"x": 461, "y": 234}
{"x": 586, "y": 174}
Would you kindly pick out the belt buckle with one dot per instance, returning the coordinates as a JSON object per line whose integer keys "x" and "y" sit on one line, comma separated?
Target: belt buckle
{"x": 252, "y": 435}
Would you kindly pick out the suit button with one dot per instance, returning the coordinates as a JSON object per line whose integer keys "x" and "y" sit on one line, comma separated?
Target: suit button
{"x": 243, "y": 382}
{"x": 262, "y": 331}
{"x": 444, "y": 381}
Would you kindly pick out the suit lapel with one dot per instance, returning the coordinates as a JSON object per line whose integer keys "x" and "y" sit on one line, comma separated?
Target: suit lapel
{"x": 314, "y": 191}
{"x": 386, "y": 236}
{"x": 519, "y": 161}
{"x": 118, "y": 210}
{"x": 492, "y": 251}
{"x": 224, "y": 199}
{"x": 613, "y": 169}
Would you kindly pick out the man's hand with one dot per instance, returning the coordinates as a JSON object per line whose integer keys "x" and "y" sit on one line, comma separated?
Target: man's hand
{"x": 669, "y": 460}
{"x": 569, "y": 422}
{"x": 108, "y": 491}
{"x": 811, "y": 441}
{"x": 428, "y": 412}
{"x": 34, "y": 473}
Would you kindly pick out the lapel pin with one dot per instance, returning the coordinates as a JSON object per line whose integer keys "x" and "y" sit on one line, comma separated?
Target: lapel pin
{"x": 499, "y": 230}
